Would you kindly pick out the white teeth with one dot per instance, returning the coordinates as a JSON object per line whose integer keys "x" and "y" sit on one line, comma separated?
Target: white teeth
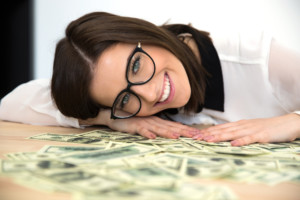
{"x": 166, "y": 90}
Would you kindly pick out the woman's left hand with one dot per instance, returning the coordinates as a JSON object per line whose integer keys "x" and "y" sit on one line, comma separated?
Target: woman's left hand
{"x": 277, "y": 129}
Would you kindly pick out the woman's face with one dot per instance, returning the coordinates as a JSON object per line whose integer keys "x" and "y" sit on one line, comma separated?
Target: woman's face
{"x": 169, "y": 87}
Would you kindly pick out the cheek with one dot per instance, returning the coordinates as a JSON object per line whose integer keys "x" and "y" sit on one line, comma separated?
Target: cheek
{"x": 182, "y": 90}
{"x": 143, "y": 112}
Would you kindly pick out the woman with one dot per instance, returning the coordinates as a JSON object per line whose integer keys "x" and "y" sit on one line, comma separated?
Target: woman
{"x": 131, "y": 75}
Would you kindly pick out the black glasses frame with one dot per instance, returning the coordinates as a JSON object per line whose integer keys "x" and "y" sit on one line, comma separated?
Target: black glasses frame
{"x": 138, "y": 48}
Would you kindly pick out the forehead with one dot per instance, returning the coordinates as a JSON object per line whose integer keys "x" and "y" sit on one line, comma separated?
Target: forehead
{"x": 109, "y": 74}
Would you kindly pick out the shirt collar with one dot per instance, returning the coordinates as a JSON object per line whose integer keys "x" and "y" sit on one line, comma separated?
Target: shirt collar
{"x": 214, "y": 93}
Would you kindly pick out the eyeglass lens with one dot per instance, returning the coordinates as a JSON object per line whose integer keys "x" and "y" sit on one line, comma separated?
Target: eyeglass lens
{"x": 140, "y": 69}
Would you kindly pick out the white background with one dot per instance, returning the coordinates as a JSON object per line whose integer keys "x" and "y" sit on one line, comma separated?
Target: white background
{"x": 281, "y": 17}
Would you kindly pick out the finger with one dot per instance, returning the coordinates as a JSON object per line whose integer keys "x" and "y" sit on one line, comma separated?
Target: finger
{"x": 176, "y": 125}
{"x": 175, "y": 128}
{"x": 133, "y": 128}
{"x": 225, "y": 136}
{"x": 146, "y": 133}
{"x": 249, "y": 139}
{"x": 219, "y": 126}
{"x": 179, "y": 130}
{"x": 163, "y": 132}
{"x": 225, "y": 125}
{"x": 221, "y": 134}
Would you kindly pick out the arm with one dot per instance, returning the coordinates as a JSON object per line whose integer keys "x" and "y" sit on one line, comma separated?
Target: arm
{"x": 31, "y": 103}
{"x": 284, "y": 70}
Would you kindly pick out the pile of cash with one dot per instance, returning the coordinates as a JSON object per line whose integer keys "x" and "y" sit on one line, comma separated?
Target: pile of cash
{"x": 115, "y": 165}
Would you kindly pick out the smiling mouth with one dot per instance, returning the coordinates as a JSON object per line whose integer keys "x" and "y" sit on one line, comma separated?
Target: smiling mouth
{"x": 166, "y": 91}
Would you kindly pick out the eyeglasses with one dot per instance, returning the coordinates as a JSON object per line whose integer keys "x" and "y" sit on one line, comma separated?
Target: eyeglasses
{"x": 140, "y": 70}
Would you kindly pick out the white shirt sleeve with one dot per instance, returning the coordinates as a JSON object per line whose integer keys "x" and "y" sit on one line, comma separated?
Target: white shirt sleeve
{"x": 31, "y": 103}
{"x": 284, "y": 76}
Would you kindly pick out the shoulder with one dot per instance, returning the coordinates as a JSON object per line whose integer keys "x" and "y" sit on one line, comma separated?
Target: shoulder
{"x": 244, "y": 45}
{"x": 30, "y": 89}
{"x": 37, "y": 84}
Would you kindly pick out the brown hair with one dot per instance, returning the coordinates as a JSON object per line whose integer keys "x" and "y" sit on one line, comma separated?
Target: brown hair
{"x": 88, "y": 36}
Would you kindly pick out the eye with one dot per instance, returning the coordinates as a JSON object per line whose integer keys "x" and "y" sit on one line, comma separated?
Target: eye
{"x": 125, "y": 100}
{"x": 136, "y": 64}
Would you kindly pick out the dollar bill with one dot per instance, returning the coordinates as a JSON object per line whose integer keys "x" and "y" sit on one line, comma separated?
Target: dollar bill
{"x": 186, "y": 191}
{"x": 60, "y": 149}
{"x": 15, "y": 166}
{"x": 66, "y": 138}
{"x": 113, "y": 153}
{"x": 113, "y": 165}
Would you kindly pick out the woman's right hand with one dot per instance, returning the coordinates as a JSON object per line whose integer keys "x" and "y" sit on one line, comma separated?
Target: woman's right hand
{"x": 149, "y": 127}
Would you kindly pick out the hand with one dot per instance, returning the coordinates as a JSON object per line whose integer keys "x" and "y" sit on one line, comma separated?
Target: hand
{"x": 153, "y": 126}
{"x": 149, "y": 127}
{"x": 277, "y": 129}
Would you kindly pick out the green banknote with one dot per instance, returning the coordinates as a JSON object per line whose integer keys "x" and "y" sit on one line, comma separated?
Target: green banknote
{"x": 116, "y": 165}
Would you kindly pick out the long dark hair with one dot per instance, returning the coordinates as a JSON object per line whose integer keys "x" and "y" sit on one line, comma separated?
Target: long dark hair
{"x": 88, "y": 36}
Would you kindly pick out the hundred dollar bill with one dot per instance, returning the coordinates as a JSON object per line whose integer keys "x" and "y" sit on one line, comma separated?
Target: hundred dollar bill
{"x": 113, "y": 153}
{"x": 102, "y": 134}
{"x": 237, "y": 150}
{"x": 194, "y": 167}
{"x": 175, "y": 147}
{"x": 65, "y": 138}
{"x": 243, "y": 175}
{"x": 148, "y": 176}
{"x": 56, "y": 149}
{"x": 15, "y": 166}
{"x": 50, "y": 152}
{"x": 186, "y": 191}
{"x": 29, "y": 179}
{"x": 213, "y": 171}
{"x": 113, "y": 136}
{"x": 31, "y": 156}
{"x": 134, "y": 166}
{"x": 171, "y": 162}
{"x": 81, "y": 180}
{"x": 273, "y": 177}
{"x": 254, "y": 163}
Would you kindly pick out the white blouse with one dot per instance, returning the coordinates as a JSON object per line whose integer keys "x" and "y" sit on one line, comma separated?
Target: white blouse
{"x": 31, "y": 103}
{"x": 261, "y": 79}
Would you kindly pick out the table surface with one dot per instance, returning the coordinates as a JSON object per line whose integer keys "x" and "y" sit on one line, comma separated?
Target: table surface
{"x": 13, "y": 140}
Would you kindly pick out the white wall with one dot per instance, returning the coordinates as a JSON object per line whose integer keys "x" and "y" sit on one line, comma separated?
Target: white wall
{"x": 282, "y": 17}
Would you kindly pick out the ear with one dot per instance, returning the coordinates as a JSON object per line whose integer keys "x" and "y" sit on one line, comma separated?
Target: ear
{"x": 184, "y": 36}
{"x": 188, "y": 39}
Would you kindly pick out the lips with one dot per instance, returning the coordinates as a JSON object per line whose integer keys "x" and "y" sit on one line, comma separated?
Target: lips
{"x": 168, "y": 91}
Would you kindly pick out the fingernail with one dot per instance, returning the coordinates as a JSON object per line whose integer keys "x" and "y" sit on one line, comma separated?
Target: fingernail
{"x": 198, "y": 136}
{"x": 209, "y": 137}
{"x": 234, "y": 143}
{"x": 152, "y": 136}
{"x": 176, "y": 135}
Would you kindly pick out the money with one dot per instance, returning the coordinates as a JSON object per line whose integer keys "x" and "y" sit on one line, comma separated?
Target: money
{"x": 116, "y": 165}
{"x": 66, "y": 138}
{"x": 51, "y": 149}
{"x": 113, "y": 153}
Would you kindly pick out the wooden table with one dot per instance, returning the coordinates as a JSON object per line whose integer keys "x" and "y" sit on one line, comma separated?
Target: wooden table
{"x": 12, "y": 139}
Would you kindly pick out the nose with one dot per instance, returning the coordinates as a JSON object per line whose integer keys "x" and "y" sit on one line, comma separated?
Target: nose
{"x": 146, "y": 92}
